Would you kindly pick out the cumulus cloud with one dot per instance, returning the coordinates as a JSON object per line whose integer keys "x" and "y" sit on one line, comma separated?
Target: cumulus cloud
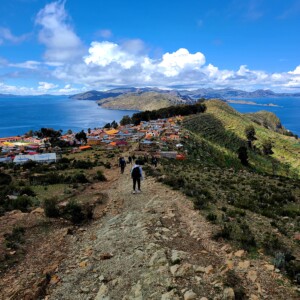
{"x": 107, "y": 64}
{"x": 174, "y": 63}
{"x": 62, "y": 43}
{"x": 106, "y": 53}
{"x": 112, "y": 64}
{"x": 6, "y": 35}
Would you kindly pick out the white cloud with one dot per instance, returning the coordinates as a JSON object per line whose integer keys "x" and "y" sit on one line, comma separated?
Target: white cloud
{"x": 45, "y": 86}
{"x": 105, "y": 53}
{"x": 62, "y": 43}
{"x": 112, "y": 64}
{"x": 30, "y": 64}
{"x": 6, "y": 35}
{"x": 181, "y": 60}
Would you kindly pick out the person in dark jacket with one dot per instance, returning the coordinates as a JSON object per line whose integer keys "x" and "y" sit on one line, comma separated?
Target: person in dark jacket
{"x": 137, "y": 176}
{"x": 122, "y": 164}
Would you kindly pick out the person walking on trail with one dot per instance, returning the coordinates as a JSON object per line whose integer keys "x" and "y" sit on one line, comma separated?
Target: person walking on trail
{"x": 137, "y": 176}
{"x": 154, "y": 161}
{"x": 130, "y": 160}
{"x": 122, "y": 164}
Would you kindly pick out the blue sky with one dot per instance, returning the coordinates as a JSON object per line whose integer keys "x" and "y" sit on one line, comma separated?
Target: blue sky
{"x": 65, "y": 47}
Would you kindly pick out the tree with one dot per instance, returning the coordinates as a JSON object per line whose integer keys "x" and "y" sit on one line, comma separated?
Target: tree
{"x": 250, "y": 134}
{"x": 125, "y": 120}
{"x": 89, "y": 130}
{"x": 107, "y": 125}
{"x": 69, "y": 131}
{"x": 29, "y": 133}
{"x": 114, "y": 124}
{"x": 243, "y": 155}
{"x": 81, "y": 136}
{"x": 267, "y": 147}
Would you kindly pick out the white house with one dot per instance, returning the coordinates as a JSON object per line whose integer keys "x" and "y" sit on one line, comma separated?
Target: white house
{"x": 40, "y": 158}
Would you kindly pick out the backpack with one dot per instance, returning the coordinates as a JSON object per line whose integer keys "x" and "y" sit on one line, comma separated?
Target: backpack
{"x": 136, "y": 172}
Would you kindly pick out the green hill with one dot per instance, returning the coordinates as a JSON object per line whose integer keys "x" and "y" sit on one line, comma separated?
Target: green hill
{"x": 223, "y": 129}
{"x": 143, "y": 101}
{"x": 256, "y": 207}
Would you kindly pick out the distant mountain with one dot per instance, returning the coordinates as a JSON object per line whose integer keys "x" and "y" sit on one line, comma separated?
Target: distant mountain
{"x": 185, "y": 95}
{"x": 7, "y": 96}
{"x": 142, "y": 101}
{"x": 233, "y": 93}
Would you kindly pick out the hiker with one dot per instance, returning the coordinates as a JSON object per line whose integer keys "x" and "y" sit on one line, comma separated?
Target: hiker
{"x": 130, "y": 159}
{"x": 122, "y": 164}
{"x": 137, "y": 176}
{"x": 154, "y": 161}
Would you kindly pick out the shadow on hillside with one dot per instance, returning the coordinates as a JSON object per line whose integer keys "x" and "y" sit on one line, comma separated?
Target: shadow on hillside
{"x": 212, "y": 129}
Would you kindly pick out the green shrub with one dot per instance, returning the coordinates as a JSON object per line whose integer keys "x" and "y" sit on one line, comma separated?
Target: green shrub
{"x": 272, "y": 244}
{"x": 236, "y": 212}
{"x": 29, "y": 165}
{"x": 5, "y": 179}
{"x": 293, "y": 270}
{"x": 212, "y": 217}
{"x": 238, "y": 232}
{"x": 50, "y": 207}
{"x": 83, "y": 164}
{"x": 100, "y": 176}
{"x": 79, "y": 178}
{"x": 27, "y": 191}
{"x": 73, "y": 212}
{"x": 23, "y": 203}
{"x": 202, "y": 199}
{"x": 15, "y": 239}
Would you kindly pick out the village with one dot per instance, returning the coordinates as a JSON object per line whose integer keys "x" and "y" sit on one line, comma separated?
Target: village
{"x": 156, "y": 138}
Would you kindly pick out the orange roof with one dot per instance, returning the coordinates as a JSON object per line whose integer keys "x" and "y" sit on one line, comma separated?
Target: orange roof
{"x": 85, "y": 147}
{"x": 180, "y": 157}
{"x": 113, "y": 144}
{"x": 112, "y": 131}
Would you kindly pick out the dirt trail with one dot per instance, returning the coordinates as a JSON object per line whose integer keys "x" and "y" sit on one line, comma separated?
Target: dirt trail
{"x": 153, "y": 245}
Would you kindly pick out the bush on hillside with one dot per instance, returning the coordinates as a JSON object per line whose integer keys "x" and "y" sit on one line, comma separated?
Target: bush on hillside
{"x": 100, "y": 176}
{"x": 50, "y": 207}
{"x": 83, "y": 164}
{"x": 73, "y": 212}
{"x": 14, "y": 239}
{"x": 5, "y": 179}
{"x": 22, "y": 203}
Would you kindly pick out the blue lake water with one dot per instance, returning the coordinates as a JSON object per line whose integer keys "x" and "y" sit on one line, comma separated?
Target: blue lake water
{"x": 288, "y": 110}
{"x": 20, "y": 114}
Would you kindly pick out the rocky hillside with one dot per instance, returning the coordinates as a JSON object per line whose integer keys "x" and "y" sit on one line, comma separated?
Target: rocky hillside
{"x": 143, "y": 101}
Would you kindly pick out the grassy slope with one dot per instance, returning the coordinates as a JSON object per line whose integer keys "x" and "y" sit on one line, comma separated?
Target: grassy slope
{"x": 223, "y": 128}
{"x": 145, "y": 101}
{"x": 252, "y": 207}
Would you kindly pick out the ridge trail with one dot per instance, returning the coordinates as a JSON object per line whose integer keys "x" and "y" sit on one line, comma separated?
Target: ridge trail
{"x": 153, "y": 245}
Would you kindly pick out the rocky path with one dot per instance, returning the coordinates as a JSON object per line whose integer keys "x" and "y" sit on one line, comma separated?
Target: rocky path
{"x": 153, "y": 245}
